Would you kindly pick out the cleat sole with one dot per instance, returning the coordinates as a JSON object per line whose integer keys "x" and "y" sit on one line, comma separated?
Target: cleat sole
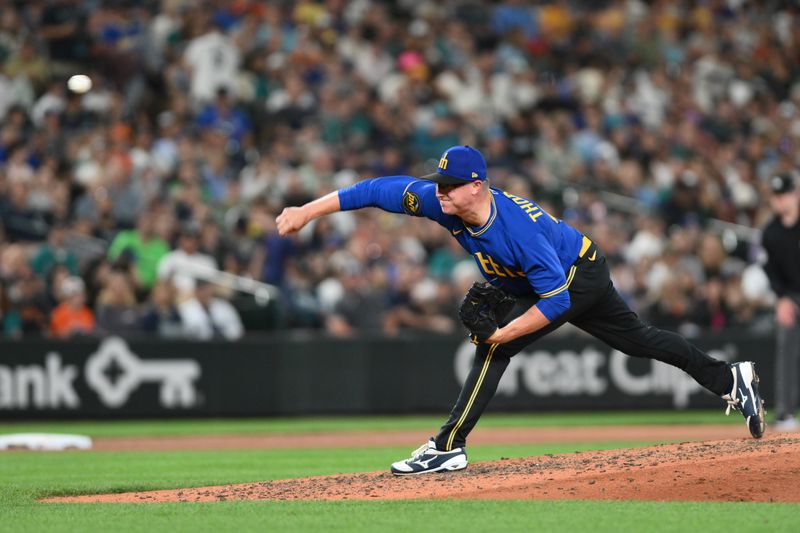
{"x": 757, "y": 426}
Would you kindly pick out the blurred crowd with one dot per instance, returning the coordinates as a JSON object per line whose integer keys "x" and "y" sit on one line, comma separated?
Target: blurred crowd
{"x": 651, "y": 126}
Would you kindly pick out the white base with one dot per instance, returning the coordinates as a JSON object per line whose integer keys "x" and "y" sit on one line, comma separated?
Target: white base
{"x": 44, "y": 442}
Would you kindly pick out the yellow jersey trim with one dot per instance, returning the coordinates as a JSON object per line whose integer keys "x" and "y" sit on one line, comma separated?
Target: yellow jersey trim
{"x": 472, "y": 397}
{"x": 488, "y": 222}
{"x": 562, "y": 288}
{"x": 584, "y": 246}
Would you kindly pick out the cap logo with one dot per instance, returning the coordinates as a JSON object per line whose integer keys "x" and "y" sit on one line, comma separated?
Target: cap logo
{"x": 459, "y": 165}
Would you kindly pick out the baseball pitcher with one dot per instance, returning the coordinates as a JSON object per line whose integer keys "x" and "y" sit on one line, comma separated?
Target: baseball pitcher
{"x": 540, "y": 274}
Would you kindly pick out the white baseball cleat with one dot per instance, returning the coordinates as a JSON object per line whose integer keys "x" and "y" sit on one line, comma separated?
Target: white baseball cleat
{"x": 427, "y": 458}
{"x": 744, "y": 397}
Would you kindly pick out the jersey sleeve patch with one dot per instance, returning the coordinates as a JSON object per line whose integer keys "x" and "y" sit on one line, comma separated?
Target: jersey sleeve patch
{"x": 411, "y": 203}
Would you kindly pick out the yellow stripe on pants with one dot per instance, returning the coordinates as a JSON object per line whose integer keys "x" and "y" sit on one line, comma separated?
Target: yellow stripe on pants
{"x": 471, "y": 398}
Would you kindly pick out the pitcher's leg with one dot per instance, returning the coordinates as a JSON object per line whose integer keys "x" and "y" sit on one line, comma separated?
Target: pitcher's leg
{"x": 481, "y": 383}
{"x": 613, "y": 322}
{"x": 478, "y": 390}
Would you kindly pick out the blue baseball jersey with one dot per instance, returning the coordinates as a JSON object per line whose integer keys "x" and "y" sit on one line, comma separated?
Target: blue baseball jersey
{"x": 520, "y": 248}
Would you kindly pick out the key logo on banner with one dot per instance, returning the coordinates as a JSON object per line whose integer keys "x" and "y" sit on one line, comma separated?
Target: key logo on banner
{"x": 113, "y": 371}
{"x": 176, "y": 376}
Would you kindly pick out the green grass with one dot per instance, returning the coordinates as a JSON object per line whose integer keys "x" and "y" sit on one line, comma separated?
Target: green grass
{"x": 413, "y": 516}
{"x": 123, "y": 428}
{"x": 26, "y": 476}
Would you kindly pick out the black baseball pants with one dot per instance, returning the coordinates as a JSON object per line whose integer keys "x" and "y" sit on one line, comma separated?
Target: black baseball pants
{"x": 598, "y": 309}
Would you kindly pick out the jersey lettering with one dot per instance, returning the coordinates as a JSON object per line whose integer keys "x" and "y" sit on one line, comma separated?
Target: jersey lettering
{"x": 491, "y": 268}
{"x": 533, "y": 210}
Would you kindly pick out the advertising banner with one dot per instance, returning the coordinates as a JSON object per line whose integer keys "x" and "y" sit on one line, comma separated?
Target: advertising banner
{"x": 115, "y": 377}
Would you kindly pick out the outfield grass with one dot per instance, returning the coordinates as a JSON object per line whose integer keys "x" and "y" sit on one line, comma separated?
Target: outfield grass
{"x": 26, "y": 476}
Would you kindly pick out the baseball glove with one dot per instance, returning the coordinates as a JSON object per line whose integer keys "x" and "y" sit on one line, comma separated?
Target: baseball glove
{"x": 483, "y": 308}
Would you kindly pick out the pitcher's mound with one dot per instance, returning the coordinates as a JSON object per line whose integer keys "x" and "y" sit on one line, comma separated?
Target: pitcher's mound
{"x": 729, "y": 470}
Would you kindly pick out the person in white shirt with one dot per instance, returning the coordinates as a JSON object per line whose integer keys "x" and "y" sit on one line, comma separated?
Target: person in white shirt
{"x": 213, "y": 61}
{"x": 207, "y": 317}
{"x": 184, "y": 264}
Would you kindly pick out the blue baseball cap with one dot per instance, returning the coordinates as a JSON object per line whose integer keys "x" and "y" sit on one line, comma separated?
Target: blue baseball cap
{"x": 459, "y": 165}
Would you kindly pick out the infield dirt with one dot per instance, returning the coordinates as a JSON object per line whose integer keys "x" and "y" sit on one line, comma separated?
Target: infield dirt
{"x": 742, "y": 469}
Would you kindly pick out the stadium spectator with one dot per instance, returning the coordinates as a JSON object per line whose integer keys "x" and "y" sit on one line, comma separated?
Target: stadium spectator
{"x": 55, "y": 252}
{"x": 72, "y": 317}
{"x": 116, "y": 310}
{"x": 633, "y": 121}
{"x": 20, "y": 221}
{"x": 361, "y": 305}
{"x": 222, "y": 115}
{"x": 141, "y": 249}
{"x": 62, "y": 24}
{"x": 211, "y": 58}
{"x": 25, "y": 295}
{"x": 182, "y": 265}
{"x": 780, "y": 241}
{"x": 205, "y": 317}
{"x": 160, "y": 315}
{"x": 429, "y": 309}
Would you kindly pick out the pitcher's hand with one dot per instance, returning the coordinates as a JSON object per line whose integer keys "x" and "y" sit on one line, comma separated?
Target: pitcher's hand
{"x": 290, "y": 220}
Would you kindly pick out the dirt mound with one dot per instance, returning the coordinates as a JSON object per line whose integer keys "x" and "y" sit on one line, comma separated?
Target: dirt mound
{"x": 729, "y": 470}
